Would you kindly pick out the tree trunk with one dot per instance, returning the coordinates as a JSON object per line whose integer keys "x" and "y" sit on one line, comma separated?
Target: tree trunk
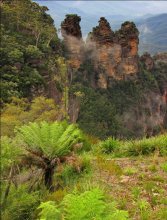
{"x": 37, "y": 38}
{"x": 49, "y": 171}
{"x": 8, "y": 186}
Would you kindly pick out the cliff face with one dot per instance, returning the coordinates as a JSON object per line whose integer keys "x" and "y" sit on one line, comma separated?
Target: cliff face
{"x": 151, "y": 115}
{"x": 108, "y": 57}
{"x": 160, "y": 63}
{"x": 113, "y": 55}
{"x": 116, "y": 53}
{"x": 72, "y": 35}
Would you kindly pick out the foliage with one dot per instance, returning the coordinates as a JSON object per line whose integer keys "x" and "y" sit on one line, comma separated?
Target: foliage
{"x": 147, "y": 146}
{"x": 130, "y": 171}
{"x": 49, "y": 211}
{"x": 21, "y": 204}
{"x": 59, "y": 75}
{"x": 87, "y": 205}
{"x": 97, "y": 114}
{"x": 32, "y": 64}
{"x": 9, "y": 153}
{"x": 110, "y": 145}
{"x": 20, "y": 112}
{"x": 53, "y": 139}
{"x": 27, "y": 32}
{"x": 71, "y": 172}
{"x": 144, "y": 146}
{"x": 43, "y": 109}
{"x": 164, "y": 167}
{"x": 47, "y": 144}
{"x": 109, "y": 166}
{"x": 33, "y": 52}
{"x": 144, "y": 208}
{"x": 113, "y": 111}
{"x": 13, "y": 114}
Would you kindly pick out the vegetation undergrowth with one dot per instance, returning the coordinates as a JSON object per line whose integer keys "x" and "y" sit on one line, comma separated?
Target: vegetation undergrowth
{"x": 144, "y": 146}
{"x": 51, "y": 170}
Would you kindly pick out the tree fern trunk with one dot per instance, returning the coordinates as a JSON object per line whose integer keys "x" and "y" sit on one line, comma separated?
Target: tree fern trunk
{"x": 49, "y": 171}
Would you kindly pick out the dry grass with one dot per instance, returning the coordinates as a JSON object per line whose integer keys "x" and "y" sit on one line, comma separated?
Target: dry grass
{"x": 139, "y": 185}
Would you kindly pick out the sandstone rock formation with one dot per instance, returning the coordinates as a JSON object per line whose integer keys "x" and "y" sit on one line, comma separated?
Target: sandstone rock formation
{"x": 72, "y": 35}
{"x": 147, "y": 60}
{"x": 160, "y": 58}
{"x": 113, "y": 55}
{"x": 127, "y": 37}
{"x": 116, "y": 53}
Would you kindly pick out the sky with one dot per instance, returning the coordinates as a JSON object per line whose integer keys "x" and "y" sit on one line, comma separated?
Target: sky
{"x": 133, "y": 8}
{"x": 116, "y": 12}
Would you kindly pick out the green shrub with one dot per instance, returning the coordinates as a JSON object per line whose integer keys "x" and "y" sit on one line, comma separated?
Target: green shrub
{"x": 130, "y": 171}
{"x": 88, "y": 205}
{"x": 161, "y": 214}
{"x": 110, "y": 145}
{"x": 164, "y": 167}
{"x": 21, "y": 204}
{"x": 147, "y": 146}
{"x": 49, "y": 211}
{"x": 69, "y": 175}
{"x": 144, "y": 209}
{"x": 15, "y": 56}
{"x": 9, "y": 153}
{"x": 20, "y": 112}
{"x": 33, "y": 52}
{"x": 79, "y": 167}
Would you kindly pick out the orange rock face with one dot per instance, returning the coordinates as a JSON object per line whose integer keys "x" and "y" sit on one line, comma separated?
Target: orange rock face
{"x": 114, "y": 55}
{"x": 71, "y": 32}
{"x": 134, "y": 47}
{"x": 116, "y": 52}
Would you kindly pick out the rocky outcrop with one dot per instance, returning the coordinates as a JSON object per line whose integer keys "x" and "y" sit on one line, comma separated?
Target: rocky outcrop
{"x": 109, "y": 56}
{"x": 127, "y": 37}
{"x": 105, "y": 53}
{"x": 149, "y": 117}
{"x": 71, "y": 32}
{"x": 102, "y": 34}
{"x": 160, "y": 58}
{"x": 147, "y": 60}
{"x": 70, "y": 27}
{"x": 115, "y": 53}
{"x": 160, "y": 63}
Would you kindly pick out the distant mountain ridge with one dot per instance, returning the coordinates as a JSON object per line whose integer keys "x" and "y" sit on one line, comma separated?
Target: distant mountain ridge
{"x": 153, "y": 28}
{"x": 153, "y": 34}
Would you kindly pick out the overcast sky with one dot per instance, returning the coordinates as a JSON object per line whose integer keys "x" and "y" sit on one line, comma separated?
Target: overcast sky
{"x": 134, "y": 8}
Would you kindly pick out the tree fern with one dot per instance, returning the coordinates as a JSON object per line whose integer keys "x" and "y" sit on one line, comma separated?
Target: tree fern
{"x": 48, "y": 143}
{"x": 55, "y": 139}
